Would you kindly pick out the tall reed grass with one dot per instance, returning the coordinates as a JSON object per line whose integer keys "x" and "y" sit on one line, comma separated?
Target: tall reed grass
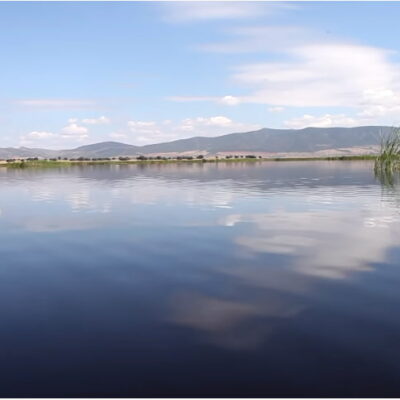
{"x": 388, "y": 159}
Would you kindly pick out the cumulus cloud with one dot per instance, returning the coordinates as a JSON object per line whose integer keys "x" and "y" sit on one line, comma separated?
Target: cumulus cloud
{"x": 310, "y": 76}
{"x": 322, "y": 75}
{"x": 36, "y": 136}
{"x": 191, "y": 124}
{"x": 68, "y": 135}
{"x": 74, "y": 129}
{"x": 91, "y": 121}
{"x": 323, "y": 121}
{"x": 230, "y": 100}
{"x": 147, "y": 132}
{"x": 311, "y": 69}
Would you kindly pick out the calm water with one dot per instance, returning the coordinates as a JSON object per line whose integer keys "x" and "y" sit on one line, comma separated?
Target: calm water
{"x": 268, "y": 279}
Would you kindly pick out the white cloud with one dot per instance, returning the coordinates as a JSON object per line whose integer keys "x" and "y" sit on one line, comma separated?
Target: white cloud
{"x": 75, "y": 132}
{"x": 116, "y": 135}
{"x": 70, "y": 135}
{"x": 303, "y": 235}
{"x": 312, "y": 69}
{"x": 149, "y": 132}
{"x": 96, "y": 121}
{"x": 208, "y": 10}
{"x": 35, "y": 137}
{"x": 40, "y": 135}
{"x": 146, "y": 132}
{"x": 225, "y": 100}
{"x": 219, "y": 121}
{"x": 323, "y": 121}
{"x": 202, "y": 124}
{"x": 75, "y": 129}
{"x": 141, "y": 124}
{"x": 321, "y": 75}
{"x": 276, "y": 109}
{"x": 230, "y": 100}
{"x": 250, "y": 39}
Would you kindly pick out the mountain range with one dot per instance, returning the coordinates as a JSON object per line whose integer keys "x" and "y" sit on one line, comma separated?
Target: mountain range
{"x": 317, "y": 141}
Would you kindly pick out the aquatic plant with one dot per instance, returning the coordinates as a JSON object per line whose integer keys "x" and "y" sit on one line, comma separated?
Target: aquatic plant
{"x": 388, "y": 158}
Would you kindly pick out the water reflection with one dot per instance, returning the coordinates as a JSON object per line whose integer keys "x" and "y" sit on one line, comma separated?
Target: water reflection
{"x": 330, "y": 244}
{"x": 390, "y": 183}
{"x": 238, "y": 324}
{"x": 282, "y": 275}
{"x": 387, "y": 178}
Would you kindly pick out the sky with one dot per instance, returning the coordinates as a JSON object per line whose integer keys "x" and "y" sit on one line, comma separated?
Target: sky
{"x": 75, "y": 73}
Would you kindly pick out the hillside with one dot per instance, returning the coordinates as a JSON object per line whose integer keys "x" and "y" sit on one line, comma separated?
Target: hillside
{"x": 277, "y": 140}
{"x": 308, "y": 140}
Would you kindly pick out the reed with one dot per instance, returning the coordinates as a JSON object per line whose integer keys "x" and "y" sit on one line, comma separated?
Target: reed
{"x": 388, "y": 158}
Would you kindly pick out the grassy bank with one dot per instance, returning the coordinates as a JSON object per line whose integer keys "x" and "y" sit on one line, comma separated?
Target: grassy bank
{"x": 65, "y": 163}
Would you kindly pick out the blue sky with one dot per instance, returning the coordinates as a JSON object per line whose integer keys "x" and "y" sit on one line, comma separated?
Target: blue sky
{"x": 74, "y": 73}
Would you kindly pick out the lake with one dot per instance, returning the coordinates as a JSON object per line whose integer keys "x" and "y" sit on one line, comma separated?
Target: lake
{"x": 215, "y": 279}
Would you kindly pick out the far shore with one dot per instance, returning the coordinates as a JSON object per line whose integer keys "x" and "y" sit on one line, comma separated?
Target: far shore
{"x": 43, "y": 163}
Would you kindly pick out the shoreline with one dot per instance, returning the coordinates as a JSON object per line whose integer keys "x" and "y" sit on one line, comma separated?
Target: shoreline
{"x": 67, "y": 163}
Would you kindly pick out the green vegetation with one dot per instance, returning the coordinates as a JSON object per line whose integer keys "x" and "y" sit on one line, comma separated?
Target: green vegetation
{"x": 388, "y": 159}
{"x": 51, "y": 163}
{"x": 367, "y": 157}
{"x": 35, "y": 164}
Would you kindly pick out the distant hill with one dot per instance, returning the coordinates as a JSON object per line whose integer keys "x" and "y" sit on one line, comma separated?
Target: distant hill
{"x": 11, "y": 152}
{"x": 97, "y": 150}
{"x": 277, "y": 140}
{"x": 308, "y": 140}
{"x": 103, "y": 149}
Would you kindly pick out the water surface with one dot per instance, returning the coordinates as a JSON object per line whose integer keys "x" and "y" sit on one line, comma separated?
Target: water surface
{"x": 241, "y": 279}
